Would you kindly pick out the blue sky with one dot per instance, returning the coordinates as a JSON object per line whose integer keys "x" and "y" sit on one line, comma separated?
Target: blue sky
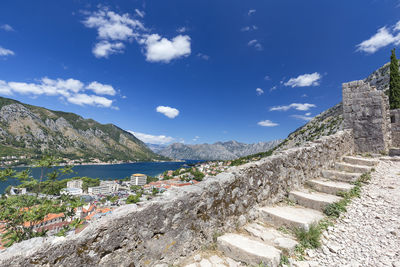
{"x": 192, "y": 71}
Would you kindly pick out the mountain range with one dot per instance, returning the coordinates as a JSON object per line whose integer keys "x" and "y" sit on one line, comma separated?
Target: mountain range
{"x": 31, "y": 130}
{"x": 218, "y": 151}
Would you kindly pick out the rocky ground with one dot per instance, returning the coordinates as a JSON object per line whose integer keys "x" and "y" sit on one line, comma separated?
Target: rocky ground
{"x": 368, "y": 234}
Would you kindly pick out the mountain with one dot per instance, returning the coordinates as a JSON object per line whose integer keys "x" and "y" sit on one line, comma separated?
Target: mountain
{"x": 156, "y": 148}
{"x": 217, "y": 151}
{"x": 331, "y": 120}
{"x": 31, "y": 130}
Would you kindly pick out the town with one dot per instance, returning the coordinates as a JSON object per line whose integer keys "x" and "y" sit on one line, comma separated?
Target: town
{"x": 102, "y": 199}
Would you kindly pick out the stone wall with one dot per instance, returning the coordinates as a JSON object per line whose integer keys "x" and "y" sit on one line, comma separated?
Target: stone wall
{"x": 395, "y": 125}
{"x": 366, "y": 112}
{"x": 183, "y": 220}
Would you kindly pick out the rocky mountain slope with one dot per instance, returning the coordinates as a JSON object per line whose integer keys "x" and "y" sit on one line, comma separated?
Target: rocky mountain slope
{"x": 331, "y": 120}
{"x": 31, "y": 130}
{"x": 217, "y": 151}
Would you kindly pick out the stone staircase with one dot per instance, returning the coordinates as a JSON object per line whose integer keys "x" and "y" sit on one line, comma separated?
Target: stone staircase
{"x": 260, "y": 243}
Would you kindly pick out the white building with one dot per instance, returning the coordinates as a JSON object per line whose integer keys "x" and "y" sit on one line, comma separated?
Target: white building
{"x": 102, "y": 189}
{"x": 139, "y": 179}
{"x": 105, "y": 187}
{"x": 71, "y": 191}
{"x": 75, "y": 184}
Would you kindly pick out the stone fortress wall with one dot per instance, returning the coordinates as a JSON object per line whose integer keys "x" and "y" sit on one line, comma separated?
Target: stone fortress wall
{"x": 395, "y": 123}
{"x": 366, "y": 111}
{"x": 186, "y": 219}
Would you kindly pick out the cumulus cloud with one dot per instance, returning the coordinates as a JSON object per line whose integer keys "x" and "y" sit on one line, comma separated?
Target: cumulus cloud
{"x": 267, "y": 123}
{"x": 92, "y": 100}
{"x": 259, "y": 91}
{"x": 163, "y": 50}
{"x": 153, "y": 139}
{"x": 312, "y": 79}
{"x": 308, "y": 114}
{"x": 383, "y": 37}
{"x": 273, "y": 88}
{"x": 112, "y": 26}
{"x": 296, "y": 106}
{"x": 101, "y": 89}
{"x": 251, "y": 12}
{"x": 115, "y": 30}
{"x": 71, "y": 90}
{"x": 254, "y": 43}
{"x": 105, "y": 48}
{"x": 6, "y": 52}
{"x": 168, "y": 111}
{"x": 6, "y": 28}
{"x": 302, "y": 117}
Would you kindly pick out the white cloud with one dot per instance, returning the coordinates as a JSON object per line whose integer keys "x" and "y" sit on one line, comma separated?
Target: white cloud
{"x": 168, "y": 111}
{"x": 196, "y": 138}
{"x": 259, "y": 91}
{"x": 381, "y": 39}
{"x": 105, "y": 48}
{"x": 140, "y": 13}
{"x": 296, "y": 106}
{"x": 101, "y": 89}
{"x": 385, "y": 36}
{"x": 163, "y": 50}
{"x": 249, "y": 28}
{"x": 267, "y": 123}
{"x": 308, "y": 114}
{"x": 71, "y": 90}
{"x": 304, "y": 95}
{"x": 112, "y": 26}
{"x": 114, "y": 30}
{"x": 6, "y": 28}
{"x": 251, "y": 12}
{"x": 91, "y": 100}
{"x": 273, "y": 88}
{"x": 6, "y": 52}
{"x": 153, "y": 139}
{"x": 311, "y": 79}
{"x": 182, "y": 29}
{"x": 254, "y": 43}
{"x": 4, "y": 88}
{"x": 302, "y": 117}
{"x": 267, "y": 78}
{"x": 203, "y": 56}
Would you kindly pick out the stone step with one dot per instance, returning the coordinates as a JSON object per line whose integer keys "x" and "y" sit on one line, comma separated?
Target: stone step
{"x": 313, "y": 200}
{"x": 213, "y": 261}
{"x": 360, "y": 161}
{"x": 329, "y": 186}
{"x": 247, "y": 250}
{"x": 272, "y": 237}
{"x": 290, "y": 216}
{"x": 340, "y": 176}
{"x": 347, "y": 167}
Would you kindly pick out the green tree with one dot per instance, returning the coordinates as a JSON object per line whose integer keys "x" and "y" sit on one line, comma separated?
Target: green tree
{"x": 394, "y": 83}
{"x": 21, "y": 213}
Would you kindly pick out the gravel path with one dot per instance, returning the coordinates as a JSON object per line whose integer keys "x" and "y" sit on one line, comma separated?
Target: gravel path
{"x": 368, "y": 234}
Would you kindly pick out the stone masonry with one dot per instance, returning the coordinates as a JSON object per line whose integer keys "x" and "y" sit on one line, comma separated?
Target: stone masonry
{"x": 366, "y": 112}
{"x": 395, "y": 122}
{"x": 184, "y": 220}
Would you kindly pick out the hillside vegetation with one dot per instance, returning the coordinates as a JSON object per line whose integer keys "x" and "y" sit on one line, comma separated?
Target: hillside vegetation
{"x": 27, "y": 130}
